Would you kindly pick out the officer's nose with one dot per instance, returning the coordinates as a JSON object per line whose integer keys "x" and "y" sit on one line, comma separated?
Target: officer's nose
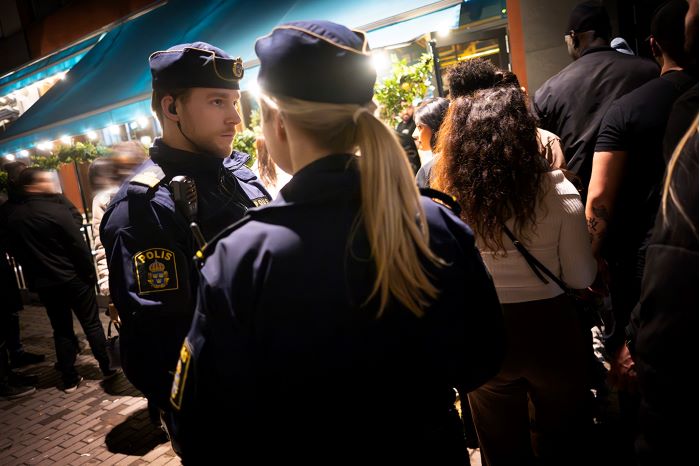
{"x": 233, "y": 117}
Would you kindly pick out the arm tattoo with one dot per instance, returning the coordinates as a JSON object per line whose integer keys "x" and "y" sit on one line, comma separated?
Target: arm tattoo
{"x": 601, "y": 212}
{"x": 592, "y": 224}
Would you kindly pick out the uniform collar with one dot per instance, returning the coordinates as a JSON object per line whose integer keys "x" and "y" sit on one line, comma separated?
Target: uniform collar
{"x": 181, "y": 162}
{"x": 324, "y": 178}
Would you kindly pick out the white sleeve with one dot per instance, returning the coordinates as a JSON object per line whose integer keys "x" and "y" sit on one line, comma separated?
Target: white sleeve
{"x": 578, "y": 266}
{"x": 99, "y": 204}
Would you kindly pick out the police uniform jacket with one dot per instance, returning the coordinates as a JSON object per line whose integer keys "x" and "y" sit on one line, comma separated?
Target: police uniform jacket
{"x": 149, "y": 249}
{"x": 286, "y": 351}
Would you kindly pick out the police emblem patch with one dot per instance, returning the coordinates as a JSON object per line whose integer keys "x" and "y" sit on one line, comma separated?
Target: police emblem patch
{"x": 238, "y": 68}
{"x": 183, "y": 366}
{"x": 155, "y": 270}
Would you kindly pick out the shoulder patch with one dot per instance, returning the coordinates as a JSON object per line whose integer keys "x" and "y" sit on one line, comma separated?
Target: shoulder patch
{"x": 155, "y": 270}
{"x": 149, "y": 178}
{"x": 260, "y": 201}
{"x": 180, "y": 378}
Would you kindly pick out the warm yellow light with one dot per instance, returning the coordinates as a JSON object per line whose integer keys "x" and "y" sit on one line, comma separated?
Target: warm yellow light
{"x": 480, "y": 54}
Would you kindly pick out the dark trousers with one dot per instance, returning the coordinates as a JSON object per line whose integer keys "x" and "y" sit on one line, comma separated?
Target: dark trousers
{"x": 535, "y": 411}
{"x": 80, "y": 297}
{"x": 12, "y": 303}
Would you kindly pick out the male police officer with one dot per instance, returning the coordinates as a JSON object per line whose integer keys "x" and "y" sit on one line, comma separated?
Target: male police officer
{"x": 149, "y": 245}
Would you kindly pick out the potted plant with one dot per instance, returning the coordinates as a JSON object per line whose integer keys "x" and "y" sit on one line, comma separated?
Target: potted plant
{"x": 404, "y": 85}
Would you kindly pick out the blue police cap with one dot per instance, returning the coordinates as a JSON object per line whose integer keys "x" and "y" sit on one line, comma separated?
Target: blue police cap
{"x": 319, "y": 61}
{"x": 194, "y": 65}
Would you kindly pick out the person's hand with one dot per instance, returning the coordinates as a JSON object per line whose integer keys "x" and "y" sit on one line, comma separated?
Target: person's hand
{"x": 623, "y": 374}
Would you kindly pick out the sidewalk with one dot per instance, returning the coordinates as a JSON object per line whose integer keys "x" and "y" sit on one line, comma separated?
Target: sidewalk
{"x": 98, "y": 424}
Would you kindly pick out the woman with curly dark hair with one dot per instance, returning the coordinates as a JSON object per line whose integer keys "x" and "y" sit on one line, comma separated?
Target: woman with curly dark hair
{"x": 490, "y": 162}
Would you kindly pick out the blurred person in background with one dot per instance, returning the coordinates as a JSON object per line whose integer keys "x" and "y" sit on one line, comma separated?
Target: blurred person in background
{"x": 9, "y": 288}
{"x": 46, "y": 240}
{"x": 106, "y": 176}
{"x": 428, "y": 118}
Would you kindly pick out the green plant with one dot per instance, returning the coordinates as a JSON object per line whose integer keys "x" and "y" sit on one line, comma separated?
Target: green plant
{"x": 79, "y": 152}
{"x": 402, "y": 87}
{"x": 255, "y": 121}
{"x": 244, "y": 141}
{"x": 46, "y": 162}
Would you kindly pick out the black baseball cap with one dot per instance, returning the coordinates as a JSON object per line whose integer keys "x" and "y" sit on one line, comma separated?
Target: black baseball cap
{"x": 590, "y": 16}
{"x": 668, "y": 23}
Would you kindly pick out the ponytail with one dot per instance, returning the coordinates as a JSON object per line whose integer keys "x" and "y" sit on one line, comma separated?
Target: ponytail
{"x": 393, "y": 217}
{"x": 392, "y": 214}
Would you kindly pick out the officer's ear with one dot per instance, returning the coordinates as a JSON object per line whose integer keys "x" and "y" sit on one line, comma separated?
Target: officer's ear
{"x": 168, "y": 109}
{"x": 280, "y": 128}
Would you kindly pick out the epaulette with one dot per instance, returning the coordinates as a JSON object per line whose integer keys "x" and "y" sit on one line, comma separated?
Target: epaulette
{"x": 150, "y": 177}
{"x": 443, "y": 198}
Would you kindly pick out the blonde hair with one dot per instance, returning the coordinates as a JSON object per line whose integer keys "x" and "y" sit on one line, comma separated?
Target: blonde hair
{"x": 668, "y": 190}
{"x": 391, "y": 209}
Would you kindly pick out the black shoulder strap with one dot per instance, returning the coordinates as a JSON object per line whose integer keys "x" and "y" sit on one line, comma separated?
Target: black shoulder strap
{"x": 534, "y": 264}
{"x": 446, "y": 199}
{"x": 201, "y": 254}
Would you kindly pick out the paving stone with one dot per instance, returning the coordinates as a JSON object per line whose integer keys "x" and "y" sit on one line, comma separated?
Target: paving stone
{"x": 53, "y": 427}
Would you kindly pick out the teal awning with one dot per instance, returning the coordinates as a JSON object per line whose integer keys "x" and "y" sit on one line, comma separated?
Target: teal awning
{"x": 46, "y": 67}
{"x": 112, "y": 83}
{"x": 408, "y": 30}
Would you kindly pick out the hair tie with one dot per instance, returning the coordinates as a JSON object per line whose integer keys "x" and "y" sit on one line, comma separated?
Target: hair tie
{"x": 359, "y": 112}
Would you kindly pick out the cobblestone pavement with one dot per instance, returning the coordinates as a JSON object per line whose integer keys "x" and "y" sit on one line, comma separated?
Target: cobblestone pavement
{"x": 101, "y": 423}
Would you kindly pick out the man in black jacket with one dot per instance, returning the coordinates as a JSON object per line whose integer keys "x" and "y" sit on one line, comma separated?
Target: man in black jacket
{"x": 46, "y": 239}
{"x": 571, "y": 104}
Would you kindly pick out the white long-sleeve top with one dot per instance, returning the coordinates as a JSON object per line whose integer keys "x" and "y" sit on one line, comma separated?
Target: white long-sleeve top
{"x": 560, "y": 242}
{"x": 99, "y": 205}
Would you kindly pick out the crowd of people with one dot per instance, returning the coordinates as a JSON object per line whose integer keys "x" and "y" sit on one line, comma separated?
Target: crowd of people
{"x": 339, "y": 322}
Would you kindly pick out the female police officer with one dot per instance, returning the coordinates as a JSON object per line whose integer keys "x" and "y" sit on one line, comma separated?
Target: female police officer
{"x": 332, "y": 324}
